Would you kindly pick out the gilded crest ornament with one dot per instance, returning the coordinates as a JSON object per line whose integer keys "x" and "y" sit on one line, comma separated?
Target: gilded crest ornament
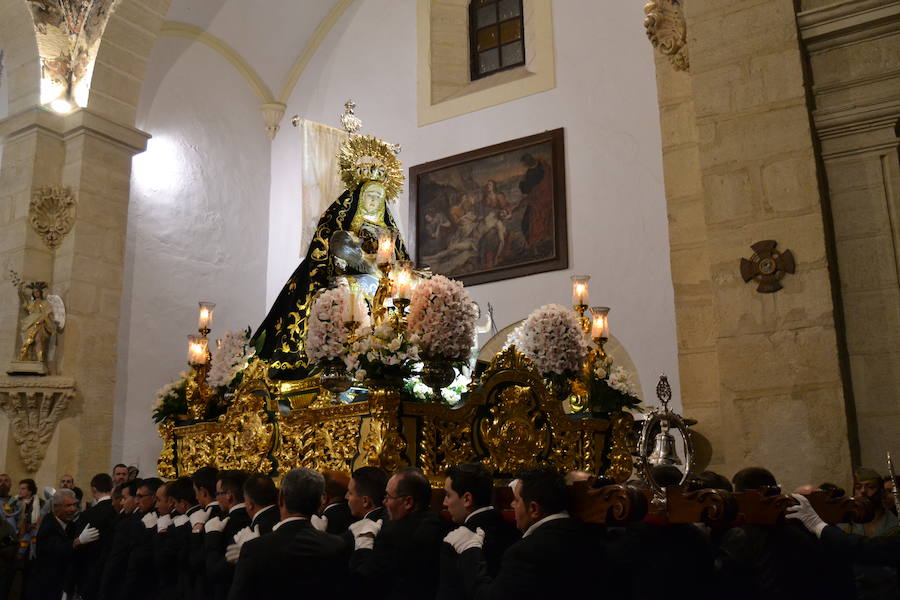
{"x": 52, "y": 213}
{"x": 667, "y": 31}
{"x": 516, "y": 431}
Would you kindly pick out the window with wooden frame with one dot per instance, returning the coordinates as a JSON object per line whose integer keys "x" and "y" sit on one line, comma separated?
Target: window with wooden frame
{"x": 496, "y": 36}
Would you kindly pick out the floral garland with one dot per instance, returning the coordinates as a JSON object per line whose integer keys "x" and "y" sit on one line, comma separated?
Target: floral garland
{"x": 552, "y": 338}
{"x": 382, "y": 352}
{"x": 450, "y": 395}
{"x": 232, "y": 356}
{"x": 442, "y": 315}
{"x": 171, "y": 399}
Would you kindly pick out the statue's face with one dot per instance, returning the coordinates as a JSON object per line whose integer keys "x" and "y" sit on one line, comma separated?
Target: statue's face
{"x": 371, "y": 200}
{"x": 38, "y": 294}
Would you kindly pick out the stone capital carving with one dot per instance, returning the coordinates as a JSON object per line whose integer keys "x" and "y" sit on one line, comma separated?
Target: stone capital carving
{"x": 52, "y": 213}
{"x": 35, "y": 405}
{"x": 272, "y": 113}
{"x": 667, "y": 31}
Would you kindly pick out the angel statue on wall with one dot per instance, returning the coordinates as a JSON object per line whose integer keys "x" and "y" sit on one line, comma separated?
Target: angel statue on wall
{"x": 43, "y": 316}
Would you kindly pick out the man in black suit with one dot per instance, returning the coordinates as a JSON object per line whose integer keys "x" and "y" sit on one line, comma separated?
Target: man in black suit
{"x": 54, "y": 548}
{"x": 336, "y": 511}
{"x": 261, "y": 497}
{"x": 554, "y": 550}
{"x": 400, "y": 559}
{"x": 295, "y": 556}
{"x": 468, "y": 491}
{"x": 365, "y": 493}
{"x": 220, "y": 531}
{"x": 91, "y": 557}
{"x": 184, "y": 501}
{"x": 204, "y": 480}
{"x": 125, "y": 535}
{"x": 140, "y": 576}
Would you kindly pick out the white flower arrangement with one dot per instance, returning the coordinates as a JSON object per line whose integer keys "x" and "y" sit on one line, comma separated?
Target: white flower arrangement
{"x": 171, "y": 399}
{"x": 452, "y": 394}
{"x": 326, "y": 334}
{"x": 552, "y": 338}
{"x": 382, "y": 352}
{"x": 620, "y": 379}
{"x": 232, "y": 356}
{"x": 442, "y": 315}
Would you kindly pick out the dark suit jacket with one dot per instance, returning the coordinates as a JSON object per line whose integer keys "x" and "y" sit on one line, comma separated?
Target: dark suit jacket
{"x": 339, "y": 518}
{"x": 377, "y": 514}
{"x": 265, "y": 520}
{"x": 559, "y": 554}
{"x": 499, "y": 535}
{"x": 882, "y": 550}
{"x": 127, "y": 530}
{"x": 181, "y": 536}
{"x": 405, "y": 562}
{"x": 197, "y": 557}
{"x": 90, "y": 559}
{"x": 54, "y": 557}
{"x": 140, "y": 575}
{"x": 219, "y": 572}
{"x": 165, "y": 559}
{"x": 292, "y": 559}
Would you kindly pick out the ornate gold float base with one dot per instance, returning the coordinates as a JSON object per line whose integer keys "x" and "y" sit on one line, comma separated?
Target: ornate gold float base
{"x": 509, "y": 420}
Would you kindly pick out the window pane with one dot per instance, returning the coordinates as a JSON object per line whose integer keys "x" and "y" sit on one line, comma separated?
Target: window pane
{"x": 510, "y": 9}
{"x": 510, "y": 31}
{"x": 513, "y": 54}
{"x": 486, "y": 15}
{"x": 487, "y": 38}
{"x": 488, "y": 61}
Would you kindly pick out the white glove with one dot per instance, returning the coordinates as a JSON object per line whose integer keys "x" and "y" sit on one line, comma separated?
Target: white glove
{"x": 463, "y": 538}
{"x": 150, "y": 520}
{"x": 88, "y": 535}
{"x": 180, "y": 520}
{"x": 198, "y": 517}
{"x": 245, "y": 535}
{"x": 232, "y": 553}
{"x": 320, "y": 523}
{"x": 364, "y": 532}
{"x": 806, "y": 514}
{"x": 163, "y": 523}
{"x": 216, "y": 524}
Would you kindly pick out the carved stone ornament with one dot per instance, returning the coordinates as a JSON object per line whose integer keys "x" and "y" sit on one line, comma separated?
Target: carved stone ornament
{"x": 667, "y": 31}
{"x": 34, "y": 409}
{"x": 767, "y": 266}
{"x": 52, "y": 213}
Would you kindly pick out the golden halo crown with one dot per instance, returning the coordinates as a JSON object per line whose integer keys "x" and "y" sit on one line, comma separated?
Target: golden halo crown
{"x": 365, "y": 158}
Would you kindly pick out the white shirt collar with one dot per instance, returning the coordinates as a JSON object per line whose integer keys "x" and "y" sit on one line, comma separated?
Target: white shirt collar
{"x": 101, "y": 499}
{"x": 288, "y": 520}
{"x": 547, "y": 519}
{"x": 261, "y": 511}
{"x": 371, "y": 511}
{"x": 209, "y": 506}
{"x": 480, "y": 510}
{"x": 235, "y": 507}
{"x": 62, "y": 523}
{"x": 330, "y": 505}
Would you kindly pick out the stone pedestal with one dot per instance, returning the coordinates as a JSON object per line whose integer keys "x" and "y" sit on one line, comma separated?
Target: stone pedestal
{"x": 26, "y": 367}
{"x": 34, "y": 406}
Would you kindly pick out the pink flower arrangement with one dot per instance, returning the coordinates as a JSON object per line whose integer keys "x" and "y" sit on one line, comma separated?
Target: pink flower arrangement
{"x": 552, "y": 338}
{"x": 326, "y": 333}
{"x": 442, "y": 315}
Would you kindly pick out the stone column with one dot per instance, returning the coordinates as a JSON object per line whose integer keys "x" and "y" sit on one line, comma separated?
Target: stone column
{"x": 91, "y": 156}
{"x": 762, "y": 372}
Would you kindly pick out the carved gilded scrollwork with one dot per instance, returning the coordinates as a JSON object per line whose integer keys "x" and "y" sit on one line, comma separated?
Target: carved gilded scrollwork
{"x": 34, "y": 407}
{"x": 516, "y": 432}
{"x": 384, "y": 445}
{"x": 621, "y": 463}
{"x": 52, "y": 213}
{"x": 165, "y": 464}
{"x": 327, "y": 444}
{"x": 667, "y": 31}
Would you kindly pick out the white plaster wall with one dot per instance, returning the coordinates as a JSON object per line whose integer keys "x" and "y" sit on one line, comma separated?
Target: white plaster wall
{"x": 605, "y": 99}
{"x": 196, "y": 228}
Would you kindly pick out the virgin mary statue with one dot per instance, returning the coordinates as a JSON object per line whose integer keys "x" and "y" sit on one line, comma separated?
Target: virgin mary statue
{"x": 344, "y": 244}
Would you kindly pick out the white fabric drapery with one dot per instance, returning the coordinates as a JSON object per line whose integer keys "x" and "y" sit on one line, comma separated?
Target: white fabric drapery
{"x": 320, "y": 181}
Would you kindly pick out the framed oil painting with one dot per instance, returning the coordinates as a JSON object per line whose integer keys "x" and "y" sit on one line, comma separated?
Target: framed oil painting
{"x": 494, "y": 213}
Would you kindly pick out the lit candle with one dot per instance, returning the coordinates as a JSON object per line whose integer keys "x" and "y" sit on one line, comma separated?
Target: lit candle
{"x": 206, "y": 315}
{"x": 403, "y": 283}
{"x": 580, "y": 289}
{"x": 385, "y": 248}
{"x": 197, "y": 346}
{"x": 600, "y": 322}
